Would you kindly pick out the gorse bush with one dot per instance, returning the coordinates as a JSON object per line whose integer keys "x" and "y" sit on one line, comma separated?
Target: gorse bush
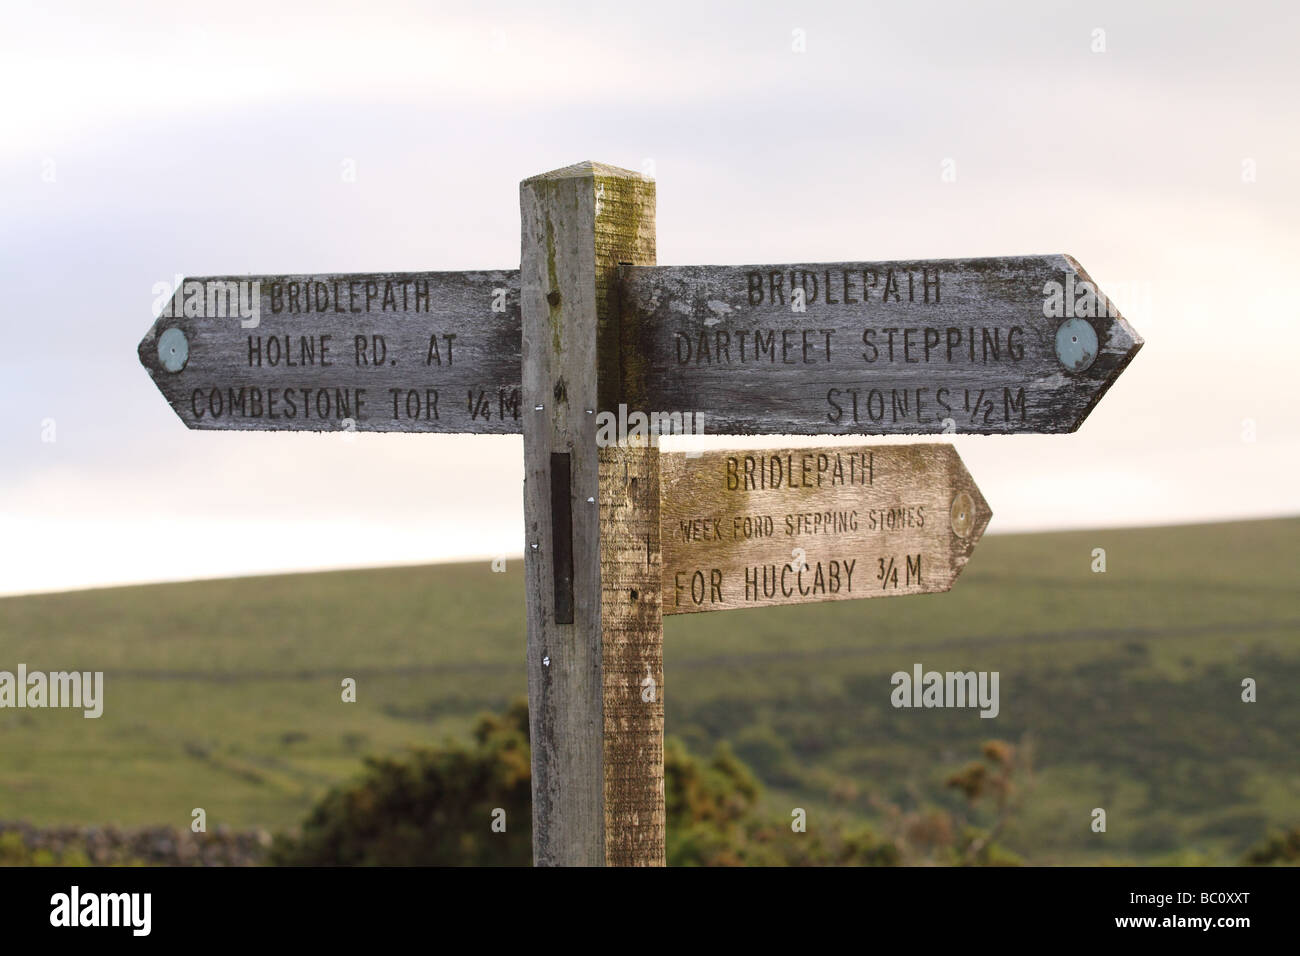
{"x": 437, "y": 806}
{"x": 434, "y": 807}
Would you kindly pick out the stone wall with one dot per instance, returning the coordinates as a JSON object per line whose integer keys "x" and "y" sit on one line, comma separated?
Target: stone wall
{"x": 24, "y": 844}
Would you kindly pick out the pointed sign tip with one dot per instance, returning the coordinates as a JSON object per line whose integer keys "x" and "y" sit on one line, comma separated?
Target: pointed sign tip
{"x": 587, "y": 169}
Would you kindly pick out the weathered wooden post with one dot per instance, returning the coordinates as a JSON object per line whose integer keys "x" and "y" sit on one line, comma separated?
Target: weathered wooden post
{"x": 595, "y": 634}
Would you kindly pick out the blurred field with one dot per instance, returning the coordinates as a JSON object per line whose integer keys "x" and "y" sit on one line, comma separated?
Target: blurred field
{"x": 225, "y": 694}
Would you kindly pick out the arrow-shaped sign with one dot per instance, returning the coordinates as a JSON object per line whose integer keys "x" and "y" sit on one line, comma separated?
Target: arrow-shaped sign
{"x": 409, "y": 352}
{"x": 752, "y": 528}
{"x": 1018, "y": 344}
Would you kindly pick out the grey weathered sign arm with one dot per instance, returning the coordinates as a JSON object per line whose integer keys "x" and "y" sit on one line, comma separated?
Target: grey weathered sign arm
{"x": 1022, "y": 344}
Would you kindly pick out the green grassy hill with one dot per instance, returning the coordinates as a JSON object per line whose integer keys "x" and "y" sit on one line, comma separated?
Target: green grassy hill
{"x": 226, "y": 694}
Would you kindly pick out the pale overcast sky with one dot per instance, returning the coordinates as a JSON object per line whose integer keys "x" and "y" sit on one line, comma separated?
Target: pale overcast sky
{"x": 141, "y": 141}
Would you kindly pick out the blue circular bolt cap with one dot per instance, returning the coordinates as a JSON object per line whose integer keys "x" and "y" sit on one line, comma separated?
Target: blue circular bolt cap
{"x": 173, "y": 349}
{"x": 1076, "y": 344}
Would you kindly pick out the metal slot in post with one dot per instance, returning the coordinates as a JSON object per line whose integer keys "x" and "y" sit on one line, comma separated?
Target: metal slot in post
{"x": 562, "y": 537}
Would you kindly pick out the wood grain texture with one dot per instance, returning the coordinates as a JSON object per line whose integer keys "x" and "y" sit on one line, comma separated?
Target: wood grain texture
{"x": 957, "y": 345}
{"x": 633, "y": 669}
{"x": 566, "y": 724}
{"x": 760, "y": 527}
{"x": 448, "y": 342}
{"x": 630, "y": 566}
{"x": 597, "y": 748}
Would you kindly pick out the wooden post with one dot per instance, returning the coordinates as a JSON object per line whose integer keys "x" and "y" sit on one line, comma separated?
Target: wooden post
{"x": 595, "y": 636}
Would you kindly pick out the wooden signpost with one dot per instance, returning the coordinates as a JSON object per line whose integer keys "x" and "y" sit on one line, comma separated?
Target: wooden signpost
{"x": 617, "y": 535}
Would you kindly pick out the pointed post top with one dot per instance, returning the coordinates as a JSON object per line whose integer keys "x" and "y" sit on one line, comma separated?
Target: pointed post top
{"x": 587, "y": 169}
